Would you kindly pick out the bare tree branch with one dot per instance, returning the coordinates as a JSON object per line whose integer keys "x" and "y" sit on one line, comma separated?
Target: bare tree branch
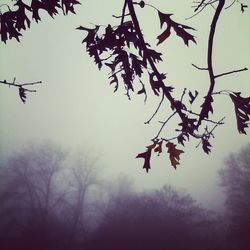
{"x": 231, "y": 72}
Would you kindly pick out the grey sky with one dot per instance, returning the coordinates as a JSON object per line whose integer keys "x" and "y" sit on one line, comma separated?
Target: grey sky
{"x": 76, "y": 107}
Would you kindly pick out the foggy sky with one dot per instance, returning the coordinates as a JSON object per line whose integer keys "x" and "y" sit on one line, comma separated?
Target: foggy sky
{"x": 76, "y": 108}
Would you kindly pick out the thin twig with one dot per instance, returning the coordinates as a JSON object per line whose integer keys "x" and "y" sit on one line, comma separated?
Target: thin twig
{"x": 156, "y": 111}
{"x": 183, "y": 94}
{"x": 222, "y": 92}
{"x": 231, "y": 4}
{"x": 145, "y": 92}
{"x": 231, "y": 72}
{"x": 152, "y": 6}
{"x": 207, "y": 120}
{"x": 199, "y": 68}
{"x": 20, "y": 84}
{"x": 120, "y": 16}
{"x": 203, "y": 7}
{"x": 201, "y": 3}
{"x": 163, "y": 125}
{"x": 217, "y": 124}
{"x": 123, "y": 12}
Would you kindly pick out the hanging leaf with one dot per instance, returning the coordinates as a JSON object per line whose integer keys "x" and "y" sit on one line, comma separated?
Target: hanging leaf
{"x": 7, "y": 29}
{"x": 146, "y": 156}
{"x": 242, "y": 111}
{"x": 69, "y": 5}
{"x": 158, "y": 148}
{"x": 90, "y": 38}
{"x": 137, "y": 64}
{"x": 206, "y": 107}
{"x": 21, "y": 17}
{"x": 174, "y": 154}
{"x": 181, "y": 138}
{"x": 192, "y": 97}
{"x": 206, "y": 146}
{"x": 22, "y": 94}
{"x": 156, "y": 56}
{"x": 114, "y": 80}
{"x": 179, "y": 29}
{"x": 188, "y": 125}
{"x": 242, "y": 7}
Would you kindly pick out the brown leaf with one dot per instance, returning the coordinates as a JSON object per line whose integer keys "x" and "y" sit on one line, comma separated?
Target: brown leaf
{"x": 174, "y": 154}
{"x": 146, "y": 156}
{"x": 158, "y": 148}
{"x": 206, "y": 146}
{"x": 242, "y": 111}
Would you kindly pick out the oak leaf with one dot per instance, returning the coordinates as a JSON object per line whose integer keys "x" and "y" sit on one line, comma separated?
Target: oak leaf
{"x": 242, "y": 111}
{"x": 206, "y": 146}
{"x": 174, "y": 154}
{"x": 146, "y": 156}
{"x": 180, "y": 29}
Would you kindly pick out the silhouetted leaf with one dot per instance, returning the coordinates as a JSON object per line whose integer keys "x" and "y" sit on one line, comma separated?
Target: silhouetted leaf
{"x": 188, "y": 125}
{"x": 242, "y": 7}
{"x": 136, "y": 64}
{"x": 14, "y": 21}
{"x": 179, "y": 29}
{"x": 168, "y": 89}
{"x": 206, "y": 146}
{"x": 207, "y": 107}
{"x": 158, "y": 148}
{"x": 141, "y": 91}
{"x": 156, "y": 56}
{"x": 36, "y": 5}
{"x": 156, "y": 83}
{"x": 114, "y": 79}
{"x": 51, "y": 6}
{"x": 8, "y": 30}
{"x": 146, "y": 156}
{"x": 22, "y": 94}
{"x": 174, "y": 154}
{"x": 90, "y": 38}
{"x": 181, "y": 138}
{"x": 69, "y": 5}
{"x": 21, "y": 16}
{"x": 192, "y": 97}
{"x": 242, "y": 111}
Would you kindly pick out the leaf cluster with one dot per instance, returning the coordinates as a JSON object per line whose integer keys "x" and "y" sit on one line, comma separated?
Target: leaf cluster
{"x": 12, "y": 22}
{"x": 120, "y": 48}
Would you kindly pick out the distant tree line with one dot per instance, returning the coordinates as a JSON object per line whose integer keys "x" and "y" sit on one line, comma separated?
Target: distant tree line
{"x": 50, "y": 199}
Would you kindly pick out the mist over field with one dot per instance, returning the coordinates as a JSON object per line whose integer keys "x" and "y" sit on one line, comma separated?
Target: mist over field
{"x": 69, "y": 177}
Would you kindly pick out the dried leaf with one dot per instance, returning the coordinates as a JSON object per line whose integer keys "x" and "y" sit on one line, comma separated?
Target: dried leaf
{"x": 207, "y": 107}
{"x": 179, "y": 29}
{"x": 242, "y": 111}
{"x": 192, "y": 97}
{"x": 206, "y": 146}
{"x": 174, "y": 154}
{"x": 22, "y": 94}
{"x": 146, "y": 156}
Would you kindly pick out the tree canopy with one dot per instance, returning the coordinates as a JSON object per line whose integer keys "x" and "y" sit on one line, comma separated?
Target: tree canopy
{"x": 133, "y": 63}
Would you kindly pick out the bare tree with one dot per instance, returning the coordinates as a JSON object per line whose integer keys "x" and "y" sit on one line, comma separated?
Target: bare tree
{"x": 162, "y": 219}
{"x": 235, "y": 180}
{"x": 82, "y": 176}
{"x": 50, "y": 196}
{"x": 30, "y": 188}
